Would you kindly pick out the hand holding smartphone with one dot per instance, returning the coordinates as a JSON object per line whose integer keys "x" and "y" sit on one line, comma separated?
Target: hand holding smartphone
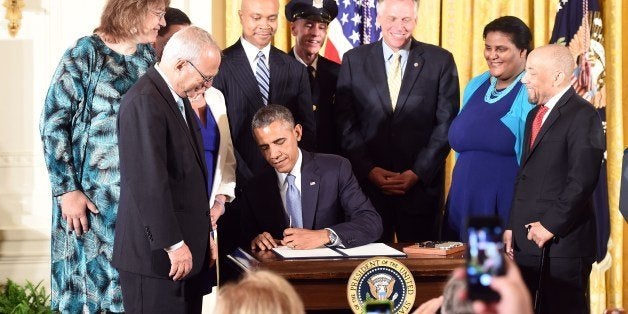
{"x": 484, "y": 257}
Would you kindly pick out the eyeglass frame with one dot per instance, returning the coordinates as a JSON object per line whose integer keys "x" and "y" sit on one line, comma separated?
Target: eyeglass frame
{"x": 206, "y": 80}
{"x": 159, "y": 14}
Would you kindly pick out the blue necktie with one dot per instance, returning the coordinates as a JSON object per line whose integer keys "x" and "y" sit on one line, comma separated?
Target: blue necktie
{"x": 263, "y": 76}
{"x": 293, "y": 203}
{"x": 181, "y": 108}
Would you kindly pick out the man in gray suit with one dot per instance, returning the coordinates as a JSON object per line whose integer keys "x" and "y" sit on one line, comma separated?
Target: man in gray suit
{"x": 307, "y": 200}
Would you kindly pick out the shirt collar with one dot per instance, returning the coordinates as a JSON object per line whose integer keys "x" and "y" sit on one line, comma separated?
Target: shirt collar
{"x": 251, "y": 51}
{"x": 403, "y": 52}
{"x": 296, "y": 171}
{"x": 314, "y": 64}
{"x": 177, "y": 98}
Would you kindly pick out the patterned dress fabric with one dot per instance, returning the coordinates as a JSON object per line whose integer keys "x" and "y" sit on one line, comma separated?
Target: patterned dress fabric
{"x": 78, "y": 130}
{"x": 484, "y": 174}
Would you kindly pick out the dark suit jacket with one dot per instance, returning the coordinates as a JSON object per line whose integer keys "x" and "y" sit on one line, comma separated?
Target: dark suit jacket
{"x": 557, "y": 178}
{"x": 323, "y": 88}
{"x": 330, "y": 198}
{"x": 289, "y": 86}
{"x": 414, "y": 136}
{"x": 163, "y": 188}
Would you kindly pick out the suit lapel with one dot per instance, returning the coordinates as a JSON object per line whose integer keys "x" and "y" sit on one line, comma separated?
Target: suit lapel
{"x": 245, "y": 76}
{"x": 274, "y": 213}
{"x": 377, "y": 70}
{"x": 278, "y": 77}
{"x": 310, "y": 182}
{"x": 526, "y": 136}
{"x": 413, "y": 68}
{"x": 166, "y": 93}
{"x": 549, "y": 121}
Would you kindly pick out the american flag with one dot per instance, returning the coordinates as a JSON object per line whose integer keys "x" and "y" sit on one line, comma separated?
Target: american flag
{"x": 354, "y": 26}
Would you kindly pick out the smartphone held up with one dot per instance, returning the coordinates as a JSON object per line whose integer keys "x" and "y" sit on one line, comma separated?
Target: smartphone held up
{"x": 485, "y": 258}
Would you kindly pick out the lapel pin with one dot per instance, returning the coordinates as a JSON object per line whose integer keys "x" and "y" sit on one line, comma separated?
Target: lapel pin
{"x": 312, "y": 183}
{"x": 416, "y": 64}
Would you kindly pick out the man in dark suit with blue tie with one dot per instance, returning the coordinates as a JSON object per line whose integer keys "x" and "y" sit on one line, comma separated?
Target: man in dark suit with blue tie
{"x": 396, "y": 99}
{"x": 552, "y": 210}
{"x": 308, "y": 23}
{"x": 306, "y": 200}
{"x": 253, "y": 74}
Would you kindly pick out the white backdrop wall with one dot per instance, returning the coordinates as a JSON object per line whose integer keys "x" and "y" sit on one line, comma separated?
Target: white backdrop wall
{"x": 27, "y": 62}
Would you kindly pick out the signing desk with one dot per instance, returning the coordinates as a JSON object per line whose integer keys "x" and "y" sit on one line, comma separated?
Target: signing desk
{"x": 322, "y": 283}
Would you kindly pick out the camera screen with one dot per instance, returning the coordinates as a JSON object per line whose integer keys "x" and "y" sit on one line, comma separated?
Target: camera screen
{"x": 378, "y": 308}
{"x": 485, "y": 255}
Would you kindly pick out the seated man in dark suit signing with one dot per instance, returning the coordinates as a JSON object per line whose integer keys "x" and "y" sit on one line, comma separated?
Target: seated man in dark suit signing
{"x": 308, "y": 200}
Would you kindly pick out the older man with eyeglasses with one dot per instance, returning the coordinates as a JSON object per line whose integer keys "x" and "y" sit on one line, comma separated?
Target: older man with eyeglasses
{"x": 163, "y": 248}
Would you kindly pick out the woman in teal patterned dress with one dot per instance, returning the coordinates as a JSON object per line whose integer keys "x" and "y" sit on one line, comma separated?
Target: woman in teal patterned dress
{"x": 78, "y": 130}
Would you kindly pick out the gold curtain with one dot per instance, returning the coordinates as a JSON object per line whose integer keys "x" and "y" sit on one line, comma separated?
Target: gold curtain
{"x": 457, "y": 26}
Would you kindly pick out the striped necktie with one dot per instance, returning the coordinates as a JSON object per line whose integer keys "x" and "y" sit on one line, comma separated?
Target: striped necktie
{"x": 263, "y": 76}
{"x": 394, "y": 78}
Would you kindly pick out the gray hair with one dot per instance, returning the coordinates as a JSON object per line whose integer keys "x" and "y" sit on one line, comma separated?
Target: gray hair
{"x": 380, "y": 2}
{"x": 271, "y": 113}
{"x": 452, "y": 304}
{"x": 188, "y": 44}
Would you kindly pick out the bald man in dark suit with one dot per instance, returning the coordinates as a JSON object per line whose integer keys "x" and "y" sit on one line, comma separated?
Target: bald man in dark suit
{"x": 552, "y": 209}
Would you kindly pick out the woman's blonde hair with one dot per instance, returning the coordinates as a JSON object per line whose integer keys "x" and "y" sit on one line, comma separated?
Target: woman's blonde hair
{"x": 122, "y": 19}
{"x": 259, "y": 292}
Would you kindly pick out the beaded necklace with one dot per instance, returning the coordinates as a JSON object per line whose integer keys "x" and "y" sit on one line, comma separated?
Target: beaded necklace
{"x": 493, "y": 95}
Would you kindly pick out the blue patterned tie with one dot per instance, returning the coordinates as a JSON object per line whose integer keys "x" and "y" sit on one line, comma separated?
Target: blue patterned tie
{"x": 293, "y": 202}
{"x": 263, "y": 76}
{"x": 181, "y": 108}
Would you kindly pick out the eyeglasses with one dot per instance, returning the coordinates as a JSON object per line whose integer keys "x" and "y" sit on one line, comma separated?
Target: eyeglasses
{"x": 206, "y": 80}
{"x": 159, "y": 14}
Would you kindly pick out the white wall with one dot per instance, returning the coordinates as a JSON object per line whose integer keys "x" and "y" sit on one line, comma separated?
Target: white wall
{"x": 27, "y": 62}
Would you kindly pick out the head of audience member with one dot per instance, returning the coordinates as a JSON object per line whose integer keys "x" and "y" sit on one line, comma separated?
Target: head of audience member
{"x": 452, "y": 301}
{"x": 259, "y": 21}
{"x": 132, "y": 21}
{"x": 548, "y": 71}
{"x": 259, "y": 292}
{"x": 190, "y": 61}
{"x": 507, "y": 41}
{"x": 277, "y": 136}
{"x": 175, "y": 21}
{"x": 308, "y": 24}
{"x": 397, "y": 19}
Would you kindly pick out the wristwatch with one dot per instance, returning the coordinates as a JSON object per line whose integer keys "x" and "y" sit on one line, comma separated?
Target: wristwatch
{"x": 332, "y": 237}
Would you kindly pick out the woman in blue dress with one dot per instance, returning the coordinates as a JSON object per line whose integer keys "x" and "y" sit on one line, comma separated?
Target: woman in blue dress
{"x": 487, "y": 134}
{"x": 78, "y": 130}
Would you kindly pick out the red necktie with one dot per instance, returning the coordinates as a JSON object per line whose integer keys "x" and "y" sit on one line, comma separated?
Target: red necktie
{"x": 536, "y": 124}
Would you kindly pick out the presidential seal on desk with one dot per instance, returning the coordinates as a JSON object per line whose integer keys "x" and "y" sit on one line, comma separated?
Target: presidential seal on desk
{"x": 380, "y": 279}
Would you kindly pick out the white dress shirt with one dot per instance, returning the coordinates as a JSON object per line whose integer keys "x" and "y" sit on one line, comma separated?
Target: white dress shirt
{"x": 403, "y": 52}
{"x": 252, "y": 51}
{"x": 551, "y": 103}
{"x": 283, "y": 187}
